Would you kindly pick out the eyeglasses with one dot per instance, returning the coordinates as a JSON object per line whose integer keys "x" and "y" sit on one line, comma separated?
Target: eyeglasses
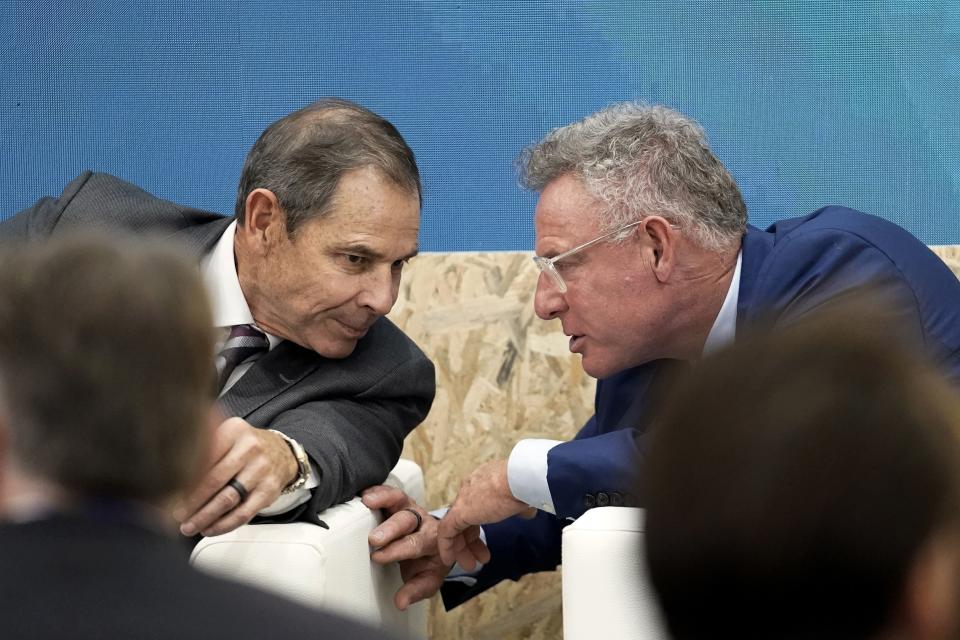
{"x": 546, "y": 265}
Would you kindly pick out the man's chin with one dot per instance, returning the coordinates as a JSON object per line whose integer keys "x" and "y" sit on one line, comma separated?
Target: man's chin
{"x": 592, "y": 368}
{"x": 599, "y": 368}
{"x": 333, "y": 349}
{"x": 336, "y": 351}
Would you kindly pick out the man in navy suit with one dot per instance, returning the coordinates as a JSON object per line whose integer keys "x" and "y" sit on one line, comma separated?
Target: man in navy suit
{"x": 647, "y": 260}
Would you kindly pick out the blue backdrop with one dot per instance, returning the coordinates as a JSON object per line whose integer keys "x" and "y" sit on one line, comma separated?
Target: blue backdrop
{"x": 808, "y": 103}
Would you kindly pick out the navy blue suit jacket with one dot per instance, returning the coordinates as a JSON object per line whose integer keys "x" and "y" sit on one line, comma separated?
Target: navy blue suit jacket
{"x": 787, "y": 271}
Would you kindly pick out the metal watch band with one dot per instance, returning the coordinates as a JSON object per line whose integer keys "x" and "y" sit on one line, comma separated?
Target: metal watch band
{"x": 303, "y": 463}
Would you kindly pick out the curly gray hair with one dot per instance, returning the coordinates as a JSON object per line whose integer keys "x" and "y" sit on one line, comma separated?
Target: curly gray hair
{"x": 639, "y": 160}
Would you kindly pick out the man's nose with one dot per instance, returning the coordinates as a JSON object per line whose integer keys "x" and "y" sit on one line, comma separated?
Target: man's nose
{"x": 380, "y": 291}
{"x": 548, "y": 301}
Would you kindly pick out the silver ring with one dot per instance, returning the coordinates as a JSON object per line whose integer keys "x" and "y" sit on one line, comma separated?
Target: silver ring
{"x": 416, "y": 515}
{"x": 241, "y": 490}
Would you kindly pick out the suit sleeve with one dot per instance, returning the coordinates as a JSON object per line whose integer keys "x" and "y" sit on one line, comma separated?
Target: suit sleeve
{"x": 355, "y": 442}
{"x": 517, "y": 547}
{"x": 595, "y": 470}
{"x": 602, "y": 461}
{"x": 599, "y": 467}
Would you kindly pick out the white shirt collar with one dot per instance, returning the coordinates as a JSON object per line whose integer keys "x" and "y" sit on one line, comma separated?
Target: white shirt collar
{"x": 219, "y": 272}
{"x": 724, "y": 328}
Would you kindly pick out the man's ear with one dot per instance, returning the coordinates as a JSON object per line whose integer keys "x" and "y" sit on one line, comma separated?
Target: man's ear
{"x": 662, "y": 238}
{"x": 263, "y": 219}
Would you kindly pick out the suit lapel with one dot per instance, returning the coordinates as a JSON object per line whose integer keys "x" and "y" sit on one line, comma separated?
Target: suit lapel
{"x": 271, "y": 375}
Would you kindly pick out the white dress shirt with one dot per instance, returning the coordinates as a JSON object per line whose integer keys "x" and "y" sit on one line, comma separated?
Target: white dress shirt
{"x": 219, "y": 272}
{"x": 527, "y": 465}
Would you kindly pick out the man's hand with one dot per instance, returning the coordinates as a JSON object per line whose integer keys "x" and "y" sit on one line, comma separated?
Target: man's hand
{"x": 258, "y": 459}
{"x": 484, "y": 497}
{"x": 397, "y": 539}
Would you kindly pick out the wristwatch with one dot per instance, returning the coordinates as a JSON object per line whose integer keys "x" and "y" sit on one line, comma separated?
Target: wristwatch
{"x": 303, "y": 463}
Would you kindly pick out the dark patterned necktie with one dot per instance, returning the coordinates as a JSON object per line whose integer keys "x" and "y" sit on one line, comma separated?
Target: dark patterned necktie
{"x": 244, "y": 342}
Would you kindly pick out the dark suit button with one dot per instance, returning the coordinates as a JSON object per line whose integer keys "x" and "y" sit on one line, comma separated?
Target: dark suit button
{"x": 603, "y": 500}
{"x": 616, "y": 500}
{"x": 589, "y": 501}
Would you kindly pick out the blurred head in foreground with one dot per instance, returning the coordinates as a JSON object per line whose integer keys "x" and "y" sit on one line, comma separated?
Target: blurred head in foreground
{"x": 806, "y": 484}
{"x": 104, "y": 371}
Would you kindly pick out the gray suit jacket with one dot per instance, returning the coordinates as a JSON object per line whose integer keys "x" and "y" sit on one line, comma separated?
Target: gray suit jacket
{"x": 351, "y": 415}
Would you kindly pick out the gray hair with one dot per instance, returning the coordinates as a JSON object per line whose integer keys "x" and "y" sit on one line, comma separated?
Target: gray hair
{"x": 640, "y": 160}
{"x": 302, "y": 157}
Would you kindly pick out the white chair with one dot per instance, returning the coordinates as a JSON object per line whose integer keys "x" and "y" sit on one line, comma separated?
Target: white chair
{"x": 323, "y": 568}
{"x": 606, "y": 590}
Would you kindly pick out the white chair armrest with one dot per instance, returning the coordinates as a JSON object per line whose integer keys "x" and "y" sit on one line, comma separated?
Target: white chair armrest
{"x": 323, "y": 568}
{"x": 606, "y": 591}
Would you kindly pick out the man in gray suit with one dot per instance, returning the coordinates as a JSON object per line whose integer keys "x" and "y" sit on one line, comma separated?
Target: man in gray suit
{"x": 317, "y": 387}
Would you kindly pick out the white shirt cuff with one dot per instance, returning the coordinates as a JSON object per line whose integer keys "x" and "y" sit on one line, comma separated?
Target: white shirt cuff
{"x": 527, "y": 472}
{"x": 288, "y": 501}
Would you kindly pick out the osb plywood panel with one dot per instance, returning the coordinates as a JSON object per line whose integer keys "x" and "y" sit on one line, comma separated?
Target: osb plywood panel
{"x": 949, "y": 254}
{"x": 502, "y": 375}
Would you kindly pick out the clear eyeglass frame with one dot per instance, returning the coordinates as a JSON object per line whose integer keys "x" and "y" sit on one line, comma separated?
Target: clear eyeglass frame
{"x": 547, "y": 265}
